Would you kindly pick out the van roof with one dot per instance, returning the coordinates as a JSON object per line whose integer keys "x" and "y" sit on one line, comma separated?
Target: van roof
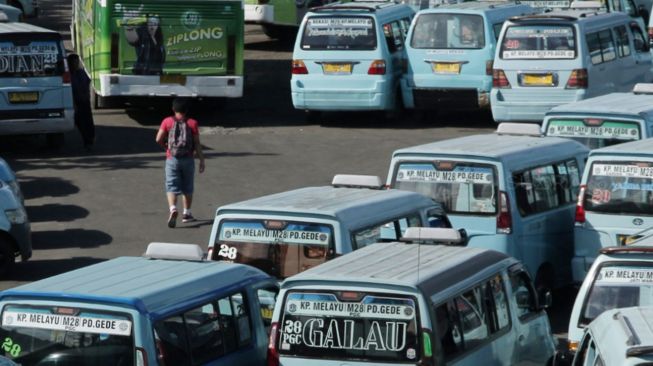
{"x": 509, "y": 149}
{"x": 642, "y": 147}
{"x": 19, "y": 27}
{"x": 432, "y": 268}
{"x": 329, "y": 202}
{"x": 570, "y": 15}
{"x": 141, "y": 283}
{"x": 626, "y": 330}
{"x": 364, "y": 6}
{"x": 613, "y": 103}
{"x": 478, "y": 5}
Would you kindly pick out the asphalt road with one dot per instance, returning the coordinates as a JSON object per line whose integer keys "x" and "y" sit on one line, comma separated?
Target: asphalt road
{"x": 86, "y": 207}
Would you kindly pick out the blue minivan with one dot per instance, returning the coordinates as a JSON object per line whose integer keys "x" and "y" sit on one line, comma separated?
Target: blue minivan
{"x": 450, "y": 52}
{"x": 348, "y": 57}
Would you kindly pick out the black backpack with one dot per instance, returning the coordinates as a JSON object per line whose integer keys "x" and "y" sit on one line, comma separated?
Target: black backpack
{"x": 180, "y": 140}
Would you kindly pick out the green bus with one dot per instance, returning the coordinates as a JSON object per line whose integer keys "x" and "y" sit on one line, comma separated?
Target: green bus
{"x": 160, "y": 48}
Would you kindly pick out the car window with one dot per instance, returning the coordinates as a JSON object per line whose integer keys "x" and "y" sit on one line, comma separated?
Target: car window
{"x": 523, "y": 294}
{"x": 538, "y": 42}
{"x": 601, "y": 46}
{"x": 639, "y": 39}
{"x": 448, "y": 31}
{"x": 339, "y": 33}
{"x": 623, "y": 46}
{"x": 27, "y": 55}
{"x": 389, "y": 231}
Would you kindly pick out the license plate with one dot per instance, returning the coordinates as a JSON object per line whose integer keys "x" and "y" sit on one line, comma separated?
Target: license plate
{"x": 336, "y": 68}
{"x": 624, "y": 239}
{"x": 172, "y": 79}
{"x": 23, "y": 97}
{"x": 538, "y": 79}
{"x": 445, "y": 68}
{"x": 266, "y": 313}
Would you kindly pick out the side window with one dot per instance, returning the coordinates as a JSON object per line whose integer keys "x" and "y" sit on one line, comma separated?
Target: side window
{"x": 630, "y": 8}
{"x": 388, "y": 33}
{"x": 267, "y": 297}
{"x": 639, "y": 40}
{"x": 601, "y": 46}
{"x": 523, "y": 294}
{"x": 574, "y": 177}
{"x": 544, "y": 184}
{"x": 594, "y": 46}
{"x": 623, "y": 46}
{"x": 524, "y": 193}
{"x": 205, "y": 333}
{"x": 497, "y": 30}
{"x": 398, "y": 36}
{"x": 588, "y": 354}
{"x": 404, "y": 24}
{"x": 546, "y": 187}
{"x": 499, "y": 299}
{"x": 437, "y": 218}
{"x": 390, "y": 231}
{"x": 472, "y": 317}
{"x": 564, "y": 188}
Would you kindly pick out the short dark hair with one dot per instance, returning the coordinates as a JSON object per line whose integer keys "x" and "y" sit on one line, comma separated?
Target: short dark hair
{"x": 180, "y": 105}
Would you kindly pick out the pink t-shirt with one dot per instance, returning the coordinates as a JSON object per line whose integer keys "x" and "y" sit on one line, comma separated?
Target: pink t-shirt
{"x": 169, "y": 122}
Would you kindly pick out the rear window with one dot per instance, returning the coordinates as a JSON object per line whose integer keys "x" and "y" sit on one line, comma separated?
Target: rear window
{"x": 460, "y": 187}
{"x": 446, "y": 31}
{"x": 30, "y": 55}
{"x": 539, "y": 42}
{"x": 594, "y": 133}
{"x": 620, "y": 187}
{"x": 339, "y": 33}
{"x": 349, "y": 326}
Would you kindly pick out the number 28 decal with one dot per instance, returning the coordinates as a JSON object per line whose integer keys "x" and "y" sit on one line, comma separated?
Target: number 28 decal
{"x": 10, "y": 347}
{"x": 227, "y": 251}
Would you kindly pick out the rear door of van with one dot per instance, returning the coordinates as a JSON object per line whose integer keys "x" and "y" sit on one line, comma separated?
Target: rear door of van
{"x": 32, "y": 72}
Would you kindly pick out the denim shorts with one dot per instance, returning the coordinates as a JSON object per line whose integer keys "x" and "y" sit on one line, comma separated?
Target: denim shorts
{"x": 180, "y": 174}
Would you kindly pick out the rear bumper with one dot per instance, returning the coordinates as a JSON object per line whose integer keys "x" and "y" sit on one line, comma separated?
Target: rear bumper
{"x": 432, "y": 98}
{"x": 22, "y": 122}
{"x": 150, "y": 86}
{"x": 378, "y": 96}
{"x": 522, "y": 105}
{"x": 255, "y": 13}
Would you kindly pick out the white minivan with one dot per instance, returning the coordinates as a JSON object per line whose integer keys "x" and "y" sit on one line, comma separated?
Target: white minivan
{"x": 560, "y": 57}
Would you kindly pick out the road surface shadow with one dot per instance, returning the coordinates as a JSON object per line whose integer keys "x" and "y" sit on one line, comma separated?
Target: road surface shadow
{"x": 55, "y": 212}
{"x": 69, "y": 238}
{"x": 34, "y": 270}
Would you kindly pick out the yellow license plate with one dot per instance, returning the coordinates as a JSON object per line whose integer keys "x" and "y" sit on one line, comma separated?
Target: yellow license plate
{"x": 266, "y": 313}
{"x": 172, "y": 79}
{"x": 337, "y": 68}
{"x": 445, "y": 68}
{"x": 538, "y": 79}
{"x": 23, "y": 97}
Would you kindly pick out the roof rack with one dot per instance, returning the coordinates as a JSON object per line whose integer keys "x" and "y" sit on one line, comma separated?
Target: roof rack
{"x": 542, "y": 17}
{"x": 158, "y": 250}
{"x": 357, "y": 181}
{"x": 519, "y": 129}
{"x": 627, "y": 327}
{"x": 643, "y": 88}
{"x": 626, "y": 249}
{"x": 337, "y": 7}
{"x": 432, "y": 234}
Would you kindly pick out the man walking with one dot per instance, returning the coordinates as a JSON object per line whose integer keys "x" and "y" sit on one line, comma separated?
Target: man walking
{"x": 180, "y": 136}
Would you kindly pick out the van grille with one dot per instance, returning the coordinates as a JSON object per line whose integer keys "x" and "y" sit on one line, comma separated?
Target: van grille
{"x": 455, "y": 98}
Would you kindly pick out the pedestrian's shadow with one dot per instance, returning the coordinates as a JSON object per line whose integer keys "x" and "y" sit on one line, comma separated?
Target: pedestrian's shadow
{"x": 195, "y": 224}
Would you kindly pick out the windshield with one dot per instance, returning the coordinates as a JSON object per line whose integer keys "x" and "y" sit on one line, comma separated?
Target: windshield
{"x": 445, "y": 31}
{"x": 27, "y": 55}
{"x": 594, "y": 133}
{"x": 620, "y": 187}
{"x": 279, "y": 248}
{"x": 539, "y": 42}
{"x": 618, "y": 286}
{"x": 339, "y": 33}
{"x": 65, "y": 336}
{"x": 459, "y": 187}
{"x": 356, "y": 326}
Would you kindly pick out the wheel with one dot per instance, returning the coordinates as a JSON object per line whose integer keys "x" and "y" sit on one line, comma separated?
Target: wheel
{"x": 55, "y": 140}
{"x": 7, "y": 257}
{"x": 314, "y": 116}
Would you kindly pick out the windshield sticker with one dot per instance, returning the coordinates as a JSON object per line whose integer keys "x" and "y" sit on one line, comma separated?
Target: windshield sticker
{"x": 622, "y": 275}
{"x": 548, "y": 4}
{"x": 271, "y": 236}
{"x": 317, "y": 308}
{"x": 228, "y": 252}
{"x": 461, "y": 174}
{"x": 339, "y": 27}
{"x": 35, "y": 57}
{"x": 538, "y": 54}
{"x": 622, "y": 170}
{"x": 11, "y": 348}
{"x": 615, "y": 130}
{"x": 66, "y": 323}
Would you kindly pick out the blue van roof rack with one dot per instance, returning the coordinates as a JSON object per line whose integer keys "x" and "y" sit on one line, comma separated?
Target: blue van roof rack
{"x": 543, "y": 16}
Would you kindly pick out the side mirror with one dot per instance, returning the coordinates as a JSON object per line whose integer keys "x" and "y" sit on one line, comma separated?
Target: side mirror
{"x": 463, "y": 236}
{"x": 545, "y": 299}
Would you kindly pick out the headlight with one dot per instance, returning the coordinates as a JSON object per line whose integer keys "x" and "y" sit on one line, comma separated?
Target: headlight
{"x": 17, "y": 216}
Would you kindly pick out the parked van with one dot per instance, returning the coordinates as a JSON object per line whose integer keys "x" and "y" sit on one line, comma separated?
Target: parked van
{"x": 619, "y": 278}
{"x": 410, "y": 304}
{"x": 168, "y": 307}
{"x": 15, "y": 230}
{"x": 288, "y": 232}
{"x": 511, "y": 192}
{"x": 35, "y": 93}
{"x": 560, "y": 57}
{"x": 450, "y": 53}
{"x": 615, "y": 200}
{"x": 618, "y": 337}
{"x": 606, "y": 120}
{"x": 9, "y": 13}
{"x": 348, "y": 57}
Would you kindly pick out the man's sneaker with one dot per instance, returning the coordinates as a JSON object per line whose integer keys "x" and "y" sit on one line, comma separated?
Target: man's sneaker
{"x": 187, "y": 218}
{"x": 172, "y": 219}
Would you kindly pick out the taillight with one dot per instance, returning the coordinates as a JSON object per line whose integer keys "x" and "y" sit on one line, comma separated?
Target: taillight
{"x": 209, "y": 254}
{"x": 580, "y": 210}
{"x": 160, "y": 352}
{"x": 298, "y": 67}
{"x": 427, "y": 349}
{"x": 377, "y": 68}
{"x": 489, "y": 64}
{"x": 577, "y": 79}
{"x": 499, "y": 79}
{"x": 141, "y": 357}
{"x": 273, "y": 355}
{"x": 504, "y": 220}
{"x": 66, "y": 76}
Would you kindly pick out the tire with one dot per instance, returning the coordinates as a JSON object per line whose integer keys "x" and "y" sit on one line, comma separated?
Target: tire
{"x": 100, "y": 102}
{"x": 313, "y": 116}
{"x": 55, "y": 140}
{"x": 7, "y": 257}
